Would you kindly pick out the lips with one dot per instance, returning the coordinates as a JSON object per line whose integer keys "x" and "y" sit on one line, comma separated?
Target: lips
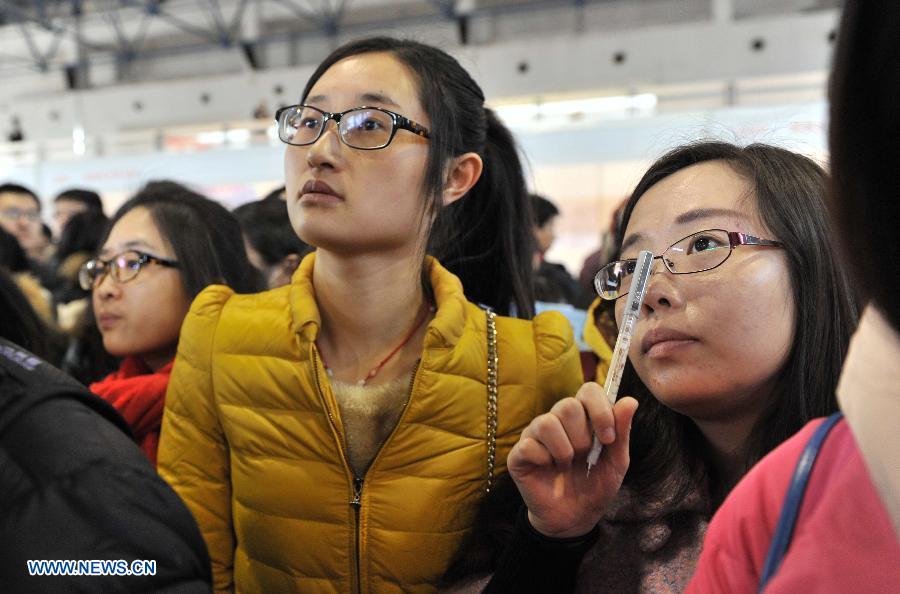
{"x": 107, "y": 320}
{"x": 664, "y": 339}
{"x": 315, "y": 186}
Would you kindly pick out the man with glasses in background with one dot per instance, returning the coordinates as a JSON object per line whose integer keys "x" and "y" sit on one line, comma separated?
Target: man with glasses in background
{"x": 20, "y": 216}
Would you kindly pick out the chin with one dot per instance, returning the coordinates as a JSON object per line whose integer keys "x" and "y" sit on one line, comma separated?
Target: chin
{"x": 690, "y": 405}
{"x": 116, "y": 352}
{"x": 683, "y": 392}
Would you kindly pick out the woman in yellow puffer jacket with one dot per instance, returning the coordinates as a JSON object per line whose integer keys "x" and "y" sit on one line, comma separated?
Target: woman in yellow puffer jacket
{"x": 337, "y": 434}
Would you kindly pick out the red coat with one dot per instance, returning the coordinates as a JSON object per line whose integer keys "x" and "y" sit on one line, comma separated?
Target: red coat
{"x": 139, "y": 395}
{"x": 843, "y": 540}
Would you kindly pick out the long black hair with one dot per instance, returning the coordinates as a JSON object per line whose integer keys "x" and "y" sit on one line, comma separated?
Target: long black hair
{"x": 12, "y": 256}
{"x": 205, "y": 237}
{"x": 864, "y": 137}
{"x": 789, "y": 191}
{"x": 485, "y": 238}
{"x": 268, "y": 230}
{"x": 21, "y": 324}
{"x": 82, "y": 233}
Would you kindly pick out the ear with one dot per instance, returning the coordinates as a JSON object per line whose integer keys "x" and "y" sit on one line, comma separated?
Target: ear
{"x": 464, "y": 172}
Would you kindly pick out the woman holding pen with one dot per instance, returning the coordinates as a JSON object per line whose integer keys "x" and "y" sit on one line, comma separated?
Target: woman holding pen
{"x": 742, "y": 332}
{"x": 338, "y": 434}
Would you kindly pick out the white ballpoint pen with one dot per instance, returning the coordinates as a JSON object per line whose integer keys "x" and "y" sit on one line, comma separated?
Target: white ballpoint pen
{"x": 636, "y": 292}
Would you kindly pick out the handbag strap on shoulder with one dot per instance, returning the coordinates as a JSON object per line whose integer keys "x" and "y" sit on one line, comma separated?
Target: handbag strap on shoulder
{"x": 784, "y": 530}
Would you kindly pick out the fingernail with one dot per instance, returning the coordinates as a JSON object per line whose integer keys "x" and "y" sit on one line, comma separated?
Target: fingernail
{"x": 609, "y": 435}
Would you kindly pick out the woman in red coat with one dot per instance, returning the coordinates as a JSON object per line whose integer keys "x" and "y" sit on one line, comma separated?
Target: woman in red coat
{"x": 163, "y": 247}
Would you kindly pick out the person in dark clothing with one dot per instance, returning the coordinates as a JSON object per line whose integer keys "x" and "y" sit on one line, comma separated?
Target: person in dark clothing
{"x": 552, "y": 282}
{"x": 75, "y": 487}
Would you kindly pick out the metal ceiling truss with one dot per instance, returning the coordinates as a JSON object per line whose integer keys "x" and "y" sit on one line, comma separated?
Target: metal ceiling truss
{"x": 61, "y": 18}
{"x": 128, "y": 48}
{"x": 48, "y": 25}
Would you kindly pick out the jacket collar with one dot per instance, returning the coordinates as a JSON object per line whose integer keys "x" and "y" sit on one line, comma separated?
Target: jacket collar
{"x": 305, "y": 319}
{"x": 444, "y": 330}
{"x": 450, "y": 319}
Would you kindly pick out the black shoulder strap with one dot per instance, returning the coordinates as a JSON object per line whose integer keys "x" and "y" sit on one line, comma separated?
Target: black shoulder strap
{"x": 784, "y": 530}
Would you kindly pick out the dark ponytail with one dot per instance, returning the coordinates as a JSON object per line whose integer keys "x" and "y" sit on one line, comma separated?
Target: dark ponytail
{"x": 485, "y": 237}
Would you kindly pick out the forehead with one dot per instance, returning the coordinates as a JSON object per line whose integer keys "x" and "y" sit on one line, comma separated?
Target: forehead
{"x": 362, "y": 78}
{"x": 18, "y": 200}
{"x": 712, "y": 186}
{"x": 135, "y": 229}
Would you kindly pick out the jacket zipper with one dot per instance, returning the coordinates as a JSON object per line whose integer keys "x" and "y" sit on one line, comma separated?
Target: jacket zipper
{"x": 356, "y": 503}
{"x": 356, "y": 500}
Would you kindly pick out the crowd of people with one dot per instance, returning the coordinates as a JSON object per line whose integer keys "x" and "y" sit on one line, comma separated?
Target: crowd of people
{"x": 354, "y": 384}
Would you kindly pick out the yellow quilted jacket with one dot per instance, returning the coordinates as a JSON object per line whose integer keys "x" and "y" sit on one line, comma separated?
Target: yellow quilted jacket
{"x": 252, "y": 440}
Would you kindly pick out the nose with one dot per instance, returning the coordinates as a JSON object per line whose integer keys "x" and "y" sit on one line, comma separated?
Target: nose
{"x": 325, "y": 152}
{"x": 107, "y": 288}
{"x": 663, "y": 292}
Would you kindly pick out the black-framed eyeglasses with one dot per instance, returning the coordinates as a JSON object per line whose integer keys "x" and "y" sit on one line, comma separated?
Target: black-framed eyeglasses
{"x": 698, "y": 252}
{"x": 364, "y": 128}
{"x": 125, "y": 267}
{"x": 16, "y": 214}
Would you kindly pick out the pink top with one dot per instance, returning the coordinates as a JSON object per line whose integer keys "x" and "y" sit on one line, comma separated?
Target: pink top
{"x": 843, "y": 540}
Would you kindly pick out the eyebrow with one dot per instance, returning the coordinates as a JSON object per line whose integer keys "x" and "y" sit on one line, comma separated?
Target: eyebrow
{"x": 629, "y": 241}
{"x": 684, "y": 218}
{"x": 370, "y": 97}
{"x": 130, "y": 245}
{"x": 705, "y": 213}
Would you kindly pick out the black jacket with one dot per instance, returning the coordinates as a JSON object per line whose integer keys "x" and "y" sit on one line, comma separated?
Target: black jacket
{"x": 74, "y": 486}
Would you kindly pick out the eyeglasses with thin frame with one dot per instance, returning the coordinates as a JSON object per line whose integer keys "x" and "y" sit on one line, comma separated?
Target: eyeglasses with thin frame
{"x": 364, "y": 128}
{"x": 125, "y": 267}
{"x": 698, "y": 252}
{"x": 15, "y": 214}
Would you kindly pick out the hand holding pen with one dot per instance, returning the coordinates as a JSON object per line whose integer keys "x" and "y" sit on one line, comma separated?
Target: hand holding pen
{"x": 636, "y": 293}
{"x": 562, "y": 499}
{"x": 547, "y": 463}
